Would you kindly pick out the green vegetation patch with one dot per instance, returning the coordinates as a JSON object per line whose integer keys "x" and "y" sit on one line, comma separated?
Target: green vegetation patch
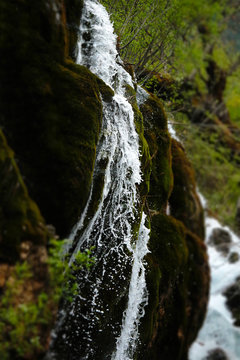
{"x": 26, "y": 314}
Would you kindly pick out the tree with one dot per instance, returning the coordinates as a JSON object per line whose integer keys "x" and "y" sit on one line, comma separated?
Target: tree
{"x": 153, "y": 33}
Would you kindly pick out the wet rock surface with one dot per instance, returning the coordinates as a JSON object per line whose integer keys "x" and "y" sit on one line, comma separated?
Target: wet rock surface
{"x": 217, "y": 354}
{"x": 52, "y": 131}
{"x": 221, "y": 240}
{"x": 233, "y": 257}
{"x": 232, "y": 294}
{"x": 184, "y": 201}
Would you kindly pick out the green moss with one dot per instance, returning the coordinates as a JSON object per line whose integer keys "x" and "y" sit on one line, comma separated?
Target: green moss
{"x": 159, "y": 142}
{"x": 73, "y": 16}
{"x": 165, "y": 312}
{"x": 143, "y": 145}
{"x": 20, "y": 218}
{"x": 198, "y": 285}
{"x": 50, "y": 107}
{"x": 168, "y": 242}
{"x": 38, "y": 30}
{"x": 106, "y": 92}
{"x": 184, "y": 201}
{"x": 155, "y": 114}
{"x": 61, "y": 130}
{"x": 177, "y": 282}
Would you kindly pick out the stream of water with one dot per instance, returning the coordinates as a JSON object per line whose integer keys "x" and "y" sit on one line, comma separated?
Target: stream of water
{"x": 117, "y": 280}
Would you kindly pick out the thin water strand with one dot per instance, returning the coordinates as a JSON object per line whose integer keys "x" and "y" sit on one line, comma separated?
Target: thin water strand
{"x": 137, "y": 299}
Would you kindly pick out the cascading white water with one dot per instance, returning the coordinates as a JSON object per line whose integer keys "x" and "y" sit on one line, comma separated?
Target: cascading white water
{"x": 110, "y": 229}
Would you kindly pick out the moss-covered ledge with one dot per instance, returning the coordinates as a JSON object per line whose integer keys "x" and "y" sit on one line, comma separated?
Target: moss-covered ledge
{"x": 177, "y": 283}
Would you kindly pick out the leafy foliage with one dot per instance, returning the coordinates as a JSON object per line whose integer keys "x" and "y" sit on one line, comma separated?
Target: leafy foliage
{"x": 218, "y": 177}
{"x": 232, "y": 96}
{"x": 63, "y": 276}
{"x": 22, "y": 317}
{"x": 161, "y": 35}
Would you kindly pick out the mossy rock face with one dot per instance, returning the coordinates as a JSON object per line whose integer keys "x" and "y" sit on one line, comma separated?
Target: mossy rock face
{"x": 198, "y": 285}
{"x": 50, "y": 108}
{"x": 54, "y": 29}
{"x": 177, "y": 283}
{"x": 184, "y": 201}
{"x": 159, "y": 142}
{"x": 20, "y": 218}
{"x": 73, "y": 16}
{"x": 146, "y": 163}
{"x": 30, "y": 28}
{"x": 178, "y": 273}
{"x": 55, "y": 140}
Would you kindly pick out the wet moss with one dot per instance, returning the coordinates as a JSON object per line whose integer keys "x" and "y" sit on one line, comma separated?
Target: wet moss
{"x": 62, "y": 131}
{"x": 106, "y": 92}
{"x": 50, "y": 108}
{"x": 159, "y": 142}
{"x": 198, "y": 285}
{"x": 184, "y": 201}
{"x": 42, "y": 96}
{"x": 73, "y": 16}
{"x": 20, "y": 218}
{"x": 165, "y": 281}
{"x": 178, "y": 274}
{"x": 177, "y": 282}
{"x": 143, "y": 145}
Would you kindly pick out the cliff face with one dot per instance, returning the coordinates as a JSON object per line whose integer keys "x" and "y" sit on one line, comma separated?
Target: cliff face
{"x": 178, "y": 276}
{"x": 51, "y": 115}
{"x": 53, "y": 132}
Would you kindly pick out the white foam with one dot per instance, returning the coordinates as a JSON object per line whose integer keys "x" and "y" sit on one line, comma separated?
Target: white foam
{"x": 218, "y": 330}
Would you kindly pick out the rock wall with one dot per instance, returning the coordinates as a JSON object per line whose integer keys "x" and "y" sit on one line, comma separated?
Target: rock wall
{"x": 178, "y": 276}
{"x": 51, "y": 129}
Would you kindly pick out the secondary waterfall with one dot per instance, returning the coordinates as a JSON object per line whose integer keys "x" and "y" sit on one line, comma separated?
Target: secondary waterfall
{"x": 112, "y": 296}
{"x": 218, "y": 331}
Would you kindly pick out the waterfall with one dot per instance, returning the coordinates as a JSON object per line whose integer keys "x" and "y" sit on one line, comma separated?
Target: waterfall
{"x": 115, "y": 288}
